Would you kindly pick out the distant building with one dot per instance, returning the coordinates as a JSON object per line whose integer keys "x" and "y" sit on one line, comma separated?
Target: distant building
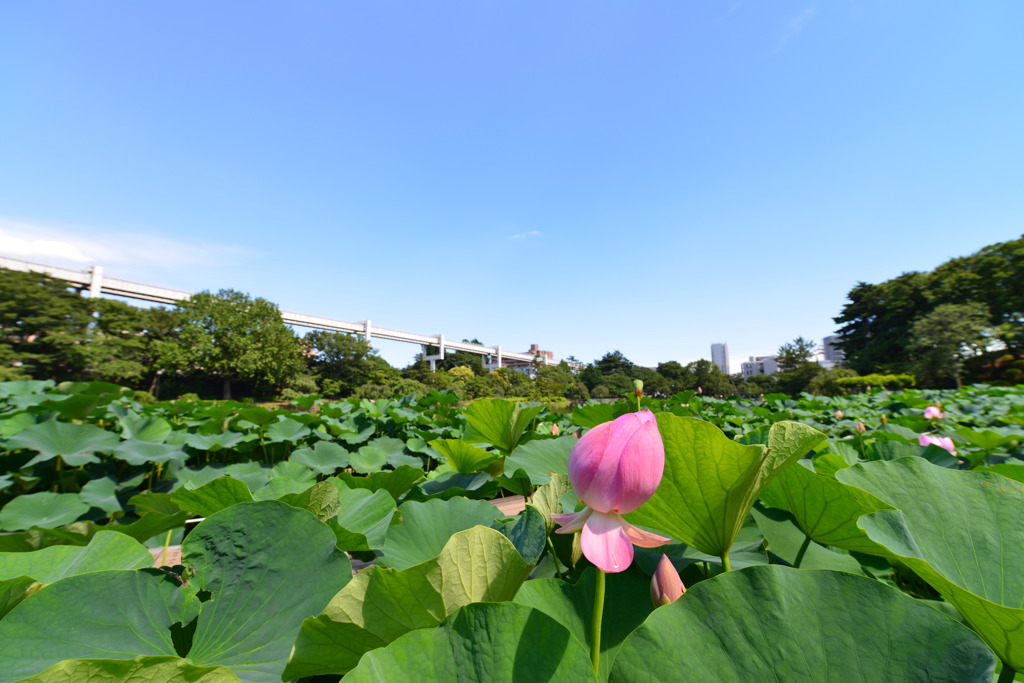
{"x": 528, "y": 367}
{"x": 720, "y": 356}
{"x": 834, "y": 355}
{"x": 759, "y": 365}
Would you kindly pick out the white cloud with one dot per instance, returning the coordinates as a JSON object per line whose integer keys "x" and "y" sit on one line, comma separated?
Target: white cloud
{"x": 45, "y": 244}
{"x": 796, "y": 25}
{"x": 526, "y": 235}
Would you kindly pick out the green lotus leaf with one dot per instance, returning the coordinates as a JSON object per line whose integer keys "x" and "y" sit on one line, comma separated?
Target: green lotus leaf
{"x": 627, "y": 605}
{"x": 99, "y": 615}
{"x": 102, "y": 494}
{"x": 363, "y": 517}
{"x": 426, "y": 528}
{"x": 784, "y": 538}
{"x": 106, "y": 550}
{"x": 138, "y": 670}
{"x": 381, "y": 604}
{"x": 145, "y": 428}
{"x": 464, "y": 457}
{"x": 825, "y": 509}
{"x": 395, "y": 482}
{"x": 45, "y": 509}
{"x": 324, "y": 457}
{"x": 711, "y": 481}
{"x": 209, "y": 498}
{"x": 135, "y": 452}
{"x": 959, "y": 531}
{"x": 368, "y": 459}
{"x": 287, "y": 430}
{"x": 75, "y": 444}
{"x": 499, "y": 422}
{"x": 768, "y": 624}
{"x": 541, "y": 458}
{"x": 482, "y": 643}
{"x": 528, "y": 532}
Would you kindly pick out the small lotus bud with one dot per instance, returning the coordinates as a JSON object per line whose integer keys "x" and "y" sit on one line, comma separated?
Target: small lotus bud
{"x": 839, "y": 415}
{"x": 884, "y": 420}
{"x": 860, "y": 428}
{"x": 666, "y": 586}
{"x": 700, "y": 391}
{"x": 555, "y": 430}
{"x": 638, "y": 384}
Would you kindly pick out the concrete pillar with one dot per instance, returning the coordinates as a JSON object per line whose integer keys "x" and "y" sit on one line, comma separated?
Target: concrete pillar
{"x": 440, "y": 352}
{"x": 96, "y": 284}
{"x": 366, "y": 334}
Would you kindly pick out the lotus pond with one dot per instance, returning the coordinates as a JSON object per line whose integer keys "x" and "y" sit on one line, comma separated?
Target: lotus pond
{"x": 819, "y": 539}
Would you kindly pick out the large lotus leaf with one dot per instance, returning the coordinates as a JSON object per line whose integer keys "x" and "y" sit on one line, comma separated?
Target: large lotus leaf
{"x": 395, "y": 482}
{"x": 136, "y": 452}
{"x": 76, "y": 444}
{"x": 541, "y": 458}
{"x": 267, "y": 566}
{"x": 102, "y": 494}
{"x": 106, "y": 550}
{"x": 462, "y": 456}
{"x": 363, "y": 517}
{"x": 962, "y": 533}
{"x": 482, "y": 643}
{"x": 711, "y": 481}
{"x": 45, "y": 509}
{"x": 214, "y": 442}
{"x": 528, "y": 532}
{"x": 13, "y": 591}
{"x": 547, "y": 498}
{"x": 293, "y": 470}
{"x": 288, "y": 430}
{"x": 150, "y": 524}
{"x": 279, "y": 488}
{"x": 211, "y": 497}
{"x": 826, "y": 510}
{"x": 325, "y": 457}
{"x": 9, "y": 426}
{"x": 426, "y": 528}
{"x": 784, "y": 539}
{"x": 138, "y": 670}
{"x": 1015, "y": 472}
{"x": 499, "y": 422}
{"x": 596, "y": 413}
{"x": 627, "y": 604}
{"x": 145, "y": 428}
{"x": 775, "y": 623}
{"x": 368, "y": 459}
{"x": 381, "y": 604}
{"x": 25, "y": 387}
{"x": 100, "y": 615}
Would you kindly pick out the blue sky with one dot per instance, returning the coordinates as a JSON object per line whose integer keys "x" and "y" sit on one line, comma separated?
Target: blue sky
{"x": 650, "y": 177}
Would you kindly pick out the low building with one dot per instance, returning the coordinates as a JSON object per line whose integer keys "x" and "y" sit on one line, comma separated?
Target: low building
{"x": 758, "y": 365}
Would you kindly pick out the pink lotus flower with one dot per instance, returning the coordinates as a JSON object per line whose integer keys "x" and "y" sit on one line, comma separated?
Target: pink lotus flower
{"x": 933, "y": 413}
{"x": 666, "y": 586}
{"x": 839, "y": 415}
{"x": 614, "y": 469}
{"x": 555, "y": 430}
{"x": 860, "y": 428}
{"x": 940, "y": 441}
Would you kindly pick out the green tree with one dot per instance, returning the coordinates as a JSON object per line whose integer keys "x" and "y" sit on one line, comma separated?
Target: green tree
{"x": 591, "y": 376}
{"x": 41, "y": 323}
{"x": 945, "y": 338}
{"x": 347, "y": 360}
{"x": 614, "y": 362}
{"x": 795, "y": 354}
{"x": 709, "y": 377}
{"x": 233, "y": 337}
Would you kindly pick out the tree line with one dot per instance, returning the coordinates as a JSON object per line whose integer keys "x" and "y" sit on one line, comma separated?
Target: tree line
{"x": 963, "y": 321}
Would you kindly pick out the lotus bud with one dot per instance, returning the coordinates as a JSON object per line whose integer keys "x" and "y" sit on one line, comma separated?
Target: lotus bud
{"x": 940, "y": 441}
{"x": 638, "y": 388}
{"x": 933, "y": 413}
{"x": 839, "y": 415}
{"x": 860, "y": 428}
{"x": 883, "y": 420}
{"x": 555, "y": 430}
{"x": 666, "y": 586}
{"x": 700, "y": 391}
{"x": 614, "y": 468}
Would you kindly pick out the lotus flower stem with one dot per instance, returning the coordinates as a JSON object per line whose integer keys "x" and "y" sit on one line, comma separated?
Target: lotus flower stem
{"x": 595, "y": 635}
{"x": 1007, "y": 674}
{"x": 803, "y": 550}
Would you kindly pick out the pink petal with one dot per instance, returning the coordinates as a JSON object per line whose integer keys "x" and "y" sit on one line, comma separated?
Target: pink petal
{"x": 644, "y": 539}
{"x": 605, "y": 543}
{"x": 572, "y": 521}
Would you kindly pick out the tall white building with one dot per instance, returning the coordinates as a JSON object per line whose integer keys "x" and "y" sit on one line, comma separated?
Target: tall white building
{"x": 760, "y": 365}
{"x": 720, "y": 356}
{"x": 833, "y": 354}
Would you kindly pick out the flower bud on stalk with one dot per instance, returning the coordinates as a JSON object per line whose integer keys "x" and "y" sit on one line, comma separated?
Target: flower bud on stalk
{"x": 666, "y": 586}
{"x": 839, "y": 415}
{"x": 860, "y": 428}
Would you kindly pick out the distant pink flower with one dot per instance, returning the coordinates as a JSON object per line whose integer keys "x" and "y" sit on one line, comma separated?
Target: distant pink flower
{"x": 940, "y": 441}
{"x": 666, "y": 586}
{"x": 555, "y": 430}
{"x": 860, "y": 428}
{"x": 839, "y": 415}
{"x": 614, "y": 468}
{"x": 933, "y": 413}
